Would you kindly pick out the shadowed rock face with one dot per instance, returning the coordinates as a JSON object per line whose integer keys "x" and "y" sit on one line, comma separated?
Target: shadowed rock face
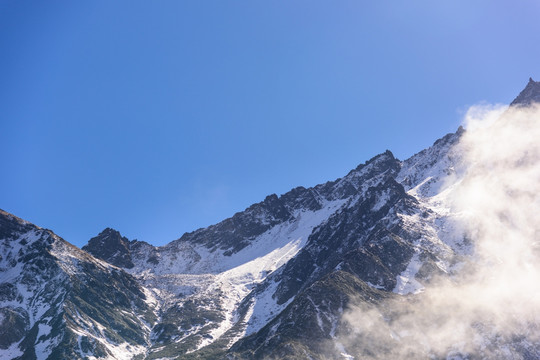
{"x": 112, "y": 247}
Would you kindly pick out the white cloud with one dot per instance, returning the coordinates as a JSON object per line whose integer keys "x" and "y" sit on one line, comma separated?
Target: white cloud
{"x": 492, "y": 308}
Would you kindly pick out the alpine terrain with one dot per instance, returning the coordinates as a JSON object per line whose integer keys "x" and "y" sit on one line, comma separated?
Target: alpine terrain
{"x": 296, "y": 276}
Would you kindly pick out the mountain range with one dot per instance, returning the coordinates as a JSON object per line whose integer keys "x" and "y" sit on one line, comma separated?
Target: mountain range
{"x": 275, "y": 281}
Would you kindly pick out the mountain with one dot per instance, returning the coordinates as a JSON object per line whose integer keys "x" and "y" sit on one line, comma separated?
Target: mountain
{"x": 59, "y": 302}
{"x": 529, "y": 95}
{"x": 277, "y": 280}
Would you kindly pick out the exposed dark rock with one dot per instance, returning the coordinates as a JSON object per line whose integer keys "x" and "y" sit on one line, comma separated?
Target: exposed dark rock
{"x": 112, "y": 247}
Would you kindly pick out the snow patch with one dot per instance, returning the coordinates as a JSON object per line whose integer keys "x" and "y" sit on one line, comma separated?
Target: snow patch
{"x": 382, "y": 199}
{"x": 343, "y": 352}
{"x": 12, "y": 352}
{"x": 406, "y": 282}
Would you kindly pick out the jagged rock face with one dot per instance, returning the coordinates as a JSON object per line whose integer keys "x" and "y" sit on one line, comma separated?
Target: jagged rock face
{"x": 306, "y": 327}
{"x": 234, "y": 234}
{"x": 349, "y": 228}
{"x": 112, "y": 247}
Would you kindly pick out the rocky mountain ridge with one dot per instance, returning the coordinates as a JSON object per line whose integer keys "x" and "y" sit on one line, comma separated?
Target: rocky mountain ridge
{"x": 270, "y": 282}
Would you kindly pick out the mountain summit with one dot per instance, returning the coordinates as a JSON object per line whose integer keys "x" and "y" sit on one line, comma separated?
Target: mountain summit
{"x": 112, "y": 247}
{"x": 275, "y": 281}
{"x": 529, "y": 95}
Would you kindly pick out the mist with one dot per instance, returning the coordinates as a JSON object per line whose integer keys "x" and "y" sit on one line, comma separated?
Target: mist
{"x": 490, "y": 308}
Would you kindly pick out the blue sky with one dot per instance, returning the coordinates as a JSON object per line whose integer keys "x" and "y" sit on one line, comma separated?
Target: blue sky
{"x": 160, "y": 117}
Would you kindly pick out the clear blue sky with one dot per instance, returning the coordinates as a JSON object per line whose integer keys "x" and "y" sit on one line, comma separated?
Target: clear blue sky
{"x": 160, "y": 117}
